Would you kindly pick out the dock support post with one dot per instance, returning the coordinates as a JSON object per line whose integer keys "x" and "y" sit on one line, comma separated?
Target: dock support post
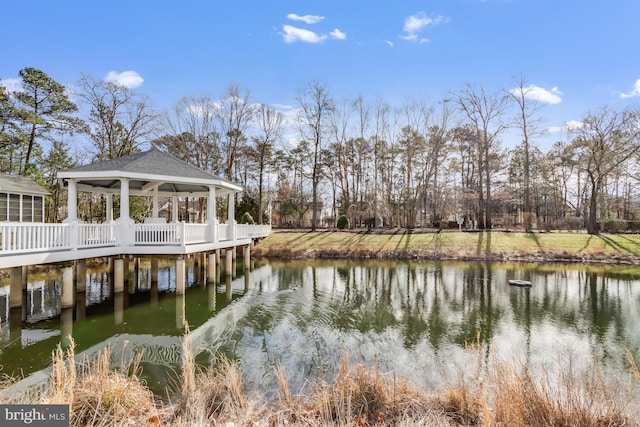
{"x": 180, "y": 276}
{"x": 246, "y": 257}
{"x": 180, "y": 311}
{"x": 118, "y": 309}
{"x": 154, "y": 271}
{"x": 212, "y": 297}
{"x": 81, "y": 306}
{"x": 136, "y": 273}
{"x": 125, "y": 273}
{"x": 66, "y": 301}
{"x": 66, "y": 324}
{"x": 15, "y": 291}
{"x": 81, "y": 275}
{"x": 217, "y": 252}
{"x": 211, "y": 268}
{"x": 229, "y": 289}
{"x": 118, "y": 275}
{"x": 228, "y": 262}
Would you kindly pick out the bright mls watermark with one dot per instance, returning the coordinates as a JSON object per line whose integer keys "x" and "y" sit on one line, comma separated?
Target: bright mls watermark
{"x": 34, "y": 415}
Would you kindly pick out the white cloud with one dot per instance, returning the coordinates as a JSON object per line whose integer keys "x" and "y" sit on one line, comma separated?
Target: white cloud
{"x": 293, "y": 34}
{"x": 389, "y": 42}
{"x": 634, "y": 92}
{"x": 338, "y": 35}
{"x": 415, "y": 24}
{"x": 307, "y": 19}
{"x": 573, "y": 125}
{"x": 569, "y": 126}
{"x": 12, "y": 85}
{"x": 129, "y": 79}
{"x": 540, "y": 94}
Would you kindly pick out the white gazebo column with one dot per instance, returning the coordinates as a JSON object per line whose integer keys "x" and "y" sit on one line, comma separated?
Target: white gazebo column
{"x": 124, "y": 199}
{"x": 155, "y": 201}
{"x": 211, "y": 214}
{"x": 231, "y": 216}
{"x": 125, "y": 237}
{"x": 109, "y": 213}
{"x": 174, "y": 208}
{"x": 72, "y": 201}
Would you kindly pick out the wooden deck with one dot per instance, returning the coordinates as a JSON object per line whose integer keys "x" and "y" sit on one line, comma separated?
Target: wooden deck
{"x": 38, "y": 243}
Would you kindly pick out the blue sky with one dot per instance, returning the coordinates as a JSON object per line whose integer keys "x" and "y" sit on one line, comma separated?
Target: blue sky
{"x": 580, "y": 55}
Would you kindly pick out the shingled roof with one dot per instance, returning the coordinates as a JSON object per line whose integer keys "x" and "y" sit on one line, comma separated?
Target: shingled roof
{"x": 174, "y": 175}
{"x": 18, "y": 184}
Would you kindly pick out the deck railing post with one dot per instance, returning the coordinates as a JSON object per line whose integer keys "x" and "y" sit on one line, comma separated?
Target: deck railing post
{"x": 124, "y": 232}
{"x": 182, "y": 234}
{"x": 74, "y": 234}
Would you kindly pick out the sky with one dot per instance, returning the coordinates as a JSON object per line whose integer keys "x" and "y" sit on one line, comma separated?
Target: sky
{"x": 575, "y": 55}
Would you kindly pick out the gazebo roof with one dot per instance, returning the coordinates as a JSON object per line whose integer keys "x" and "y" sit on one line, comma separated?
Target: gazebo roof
{"x": 20, "y": 185}
{"x": 145, "y": 170}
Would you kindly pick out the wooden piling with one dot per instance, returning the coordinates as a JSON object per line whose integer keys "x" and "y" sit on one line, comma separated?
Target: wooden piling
{"x": 15, "y": 290}
{"x": 66, "y": 301}
{"x": 118, "y": 276}
{"x": 211, "y": 268}
{"x": 180, "y": 276}
{"x": 246, "y": 257}
{"x": 81, "y": 275}
{"x": 228, "y": 262}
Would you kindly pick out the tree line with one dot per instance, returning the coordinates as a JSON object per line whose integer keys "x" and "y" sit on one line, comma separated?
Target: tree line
{"x": 419, "y": 164}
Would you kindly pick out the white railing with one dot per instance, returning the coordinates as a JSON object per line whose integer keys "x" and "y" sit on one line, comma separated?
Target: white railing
{"x": 223, "y": 232}
{"x": 157, "y": 234}
{"x": 95, "y": 235}
{"x": 28, "y": 237}
{"x": 242, "y": 231}
{"x": 261, "y": 230}
{"x": 39, "y": 237}
{"x": 195, "y": 233}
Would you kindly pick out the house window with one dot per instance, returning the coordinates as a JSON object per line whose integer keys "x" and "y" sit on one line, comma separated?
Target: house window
{"x": 4, "y": 207}
{"x": 27, "y": 208}
{"x": 38, "y": 209}
{"x": 21, "y": 208}
{"x": 14, "y": 207}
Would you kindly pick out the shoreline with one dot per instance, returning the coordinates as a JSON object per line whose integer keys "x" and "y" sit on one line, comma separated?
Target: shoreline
{"x": 452, "y": 245}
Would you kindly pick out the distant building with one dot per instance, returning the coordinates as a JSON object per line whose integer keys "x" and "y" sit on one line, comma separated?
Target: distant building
{"x": 21, "y": 199}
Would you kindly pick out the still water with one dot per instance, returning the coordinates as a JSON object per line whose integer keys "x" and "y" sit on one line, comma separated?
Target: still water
{"x": 412, "y": 319}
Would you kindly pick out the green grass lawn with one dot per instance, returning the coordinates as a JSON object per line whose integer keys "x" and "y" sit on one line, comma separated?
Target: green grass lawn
{"x": 452, "y": 245}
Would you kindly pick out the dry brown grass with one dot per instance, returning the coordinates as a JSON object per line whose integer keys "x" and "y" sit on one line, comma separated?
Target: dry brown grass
{"x": 359, "y": 397}
{"x": 495, "y": 393}
{"x": 519, "y": 399}
{"x": 212, "y": 396}
{"x": 98, "y": 395}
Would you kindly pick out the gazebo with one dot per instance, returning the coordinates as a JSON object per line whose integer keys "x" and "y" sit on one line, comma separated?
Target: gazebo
{"x": 150, "y": 173}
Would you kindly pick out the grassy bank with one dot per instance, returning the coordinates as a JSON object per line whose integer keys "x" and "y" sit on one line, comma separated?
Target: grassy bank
{"x": 496, "y": 245}
{"x": 494, "y": 393}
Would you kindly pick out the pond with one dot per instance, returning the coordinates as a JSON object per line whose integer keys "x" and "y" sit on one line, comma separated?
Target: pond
{"x": 412, "y": 319}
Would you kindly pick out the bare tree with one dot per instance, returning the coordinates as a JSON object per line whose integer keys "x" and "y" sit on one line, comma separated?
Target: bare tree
{"x": 342, "y": 152}
{"x": 605, "y": 140}
{"x": 315, "y": 106}
{"x": 270, "y": 122}
{"x": 192, "y": 135}
{"x": 234, "y": 117}
{"x": 121, "y": 120}
{"x": 485, "y": 113}
{"x": 528, "y": 122}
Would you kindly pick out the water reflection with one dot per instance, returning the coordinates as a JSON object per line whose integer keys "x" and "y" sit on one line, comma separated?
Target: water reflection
{"x": 414, "y": 319}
